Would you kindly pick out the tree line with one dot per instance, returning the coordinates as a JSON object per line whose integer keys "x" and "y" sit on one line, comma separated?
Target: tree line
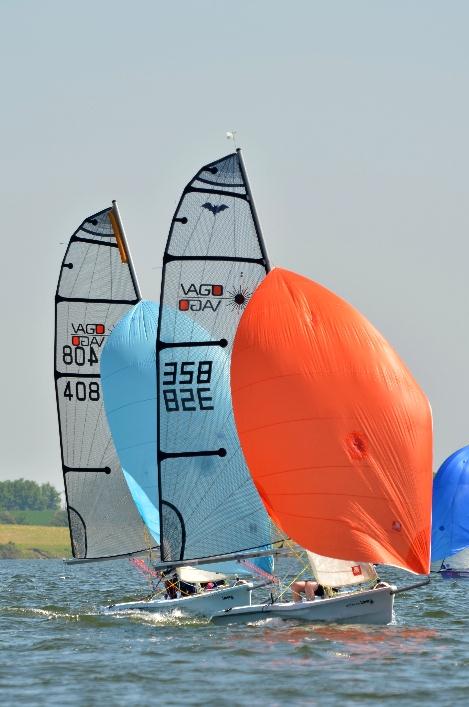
{"x": 24, "y": 495}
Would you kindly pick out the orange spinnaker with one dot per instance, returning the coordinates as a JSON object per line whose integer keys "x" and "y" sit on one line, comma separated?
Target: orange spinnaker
{"x": 335, "y": 431}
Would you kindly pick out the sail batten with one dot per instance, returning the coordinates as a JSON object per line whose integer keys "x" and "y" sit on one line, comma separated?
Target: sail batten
{"x": 213, "y": 262}
{"x": 96, "y": 287}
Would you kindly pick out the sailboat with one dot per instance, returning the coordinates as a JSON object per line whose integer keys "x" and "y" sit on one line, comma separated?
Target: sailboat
{"x": 338, "y": 438}
{"x": 450, "y": 516}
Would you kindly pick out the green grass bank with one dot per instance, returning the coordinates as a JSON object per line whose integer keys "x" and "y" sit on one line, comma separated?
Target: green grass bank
{"x": 33, "y": 542}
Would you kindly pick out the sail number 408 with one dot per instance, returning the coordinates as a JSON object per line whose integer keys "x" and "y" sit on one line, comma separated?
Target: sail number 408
{"x": 82, "y": 391}
{"x": 186, "y": 386}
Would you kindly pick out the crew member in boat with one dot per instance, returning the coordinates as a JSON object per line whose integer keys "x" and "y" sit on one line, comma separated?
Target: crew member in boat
{"x": 187, "y": 588}
{"x": 171, "y": 584}
{"x": 208, "y": 586}
{"x": 309, "y": 587}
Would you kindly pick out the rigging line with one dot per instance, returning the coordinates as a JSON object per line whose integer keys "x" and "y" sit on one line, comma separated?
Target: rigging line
{"x": 305, "y": 568}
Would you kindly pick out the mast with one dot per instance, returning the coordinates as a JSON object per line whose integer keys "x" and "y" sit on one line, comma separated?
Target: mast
{"x": 252, "y": 204}
{"x": 122, "y": 242}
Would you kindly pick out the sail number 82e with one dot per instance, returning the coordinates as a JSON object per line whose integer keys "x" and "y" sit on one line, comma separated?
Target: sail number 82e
{"x": 186, "y": 386}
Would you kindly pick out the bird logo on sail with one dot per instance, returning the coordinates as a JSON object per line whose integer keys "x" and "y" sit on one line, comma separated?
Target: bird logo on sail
{"x": 215, "y": 209}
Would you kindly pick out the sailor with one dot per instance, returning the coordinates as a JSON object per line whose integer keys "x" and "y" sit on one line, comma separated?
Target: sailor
{"x": 171, "y": 584}
{"x": 311, "y": 589}
{"x": 187, "y": 588}
{"x": 307, "y": 587}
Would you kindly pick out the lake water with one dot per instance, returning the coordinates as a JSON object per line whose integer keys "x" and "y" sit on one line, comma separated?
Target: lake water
{"x": 57, "y": 648}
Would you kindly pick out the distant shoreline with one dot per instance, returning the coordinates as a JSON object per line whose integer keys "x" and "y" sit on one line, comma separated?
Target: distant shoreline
{"x": 33, "y": 542}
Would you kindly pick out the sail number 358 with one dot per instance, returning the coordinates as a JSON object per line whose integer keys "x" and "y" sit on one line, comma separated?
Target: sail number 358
{"x": 186, "y": 386}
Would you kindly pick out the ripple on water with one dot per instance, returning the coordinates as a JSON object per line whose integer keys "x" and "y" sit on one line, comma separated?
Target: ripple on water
{"x": 60, "y": 647}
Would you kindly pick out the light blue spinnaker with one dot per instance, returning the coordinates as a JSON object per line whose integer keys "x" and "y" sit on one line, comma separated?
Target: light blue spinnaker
{"x": 450, "y": 512}
{"x": 129, "y": 389}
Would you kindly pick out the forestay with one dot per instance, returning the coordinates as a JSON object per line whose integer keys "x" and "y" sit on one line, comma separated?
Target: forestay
{"x": 213, "y": 262}
{"x": 96, "y": 288}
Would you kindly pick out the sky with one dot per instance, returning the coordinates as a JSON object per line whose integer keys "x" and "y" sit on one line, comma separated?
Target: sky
{"x": 353, "y": 121}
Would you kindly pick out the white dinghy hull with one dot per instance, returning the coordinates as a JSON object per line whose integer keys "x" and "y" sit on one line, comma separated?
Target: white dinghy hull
{"x": 204, "y": 604}
{"x": 374, "y": 606}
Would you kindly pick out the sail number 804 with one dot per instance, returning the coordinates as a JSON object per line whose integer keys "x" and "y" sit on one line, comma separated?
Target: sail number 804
{"x": 186, "y": 386}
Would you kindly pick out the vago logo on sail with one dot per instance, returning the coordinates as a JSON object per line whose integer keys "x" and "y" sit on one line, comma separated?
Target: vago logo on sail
{"x": 87, "y": 334}
{"x": 199, "y": 299}
{"x": 205, "y": 297}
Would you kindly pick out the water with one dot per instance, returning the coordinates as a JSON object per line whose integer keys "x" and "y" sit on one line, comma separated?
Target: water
{"x": 57, "y": 648}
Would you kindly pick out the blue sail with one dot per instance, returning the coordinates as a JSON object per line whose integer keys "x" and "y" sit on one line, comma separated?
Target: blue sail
{"x": 129, "y": 390}
{"x": 450, "y": 512}
{"x": 128, "y": 373}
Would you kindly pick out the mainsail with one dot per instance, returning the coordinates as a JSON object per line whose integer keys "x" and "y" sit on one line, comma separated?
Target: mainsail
{"x": 335, "y": 431}
{"x": 450, "y": 512}
{"x": 213, "y": 262}
{"x": 96, "y": 287}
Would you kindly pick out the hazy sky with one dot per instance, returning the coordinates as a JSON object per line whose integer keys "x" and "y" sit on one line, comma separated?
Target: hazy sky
{"x": 353, "y": 116}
